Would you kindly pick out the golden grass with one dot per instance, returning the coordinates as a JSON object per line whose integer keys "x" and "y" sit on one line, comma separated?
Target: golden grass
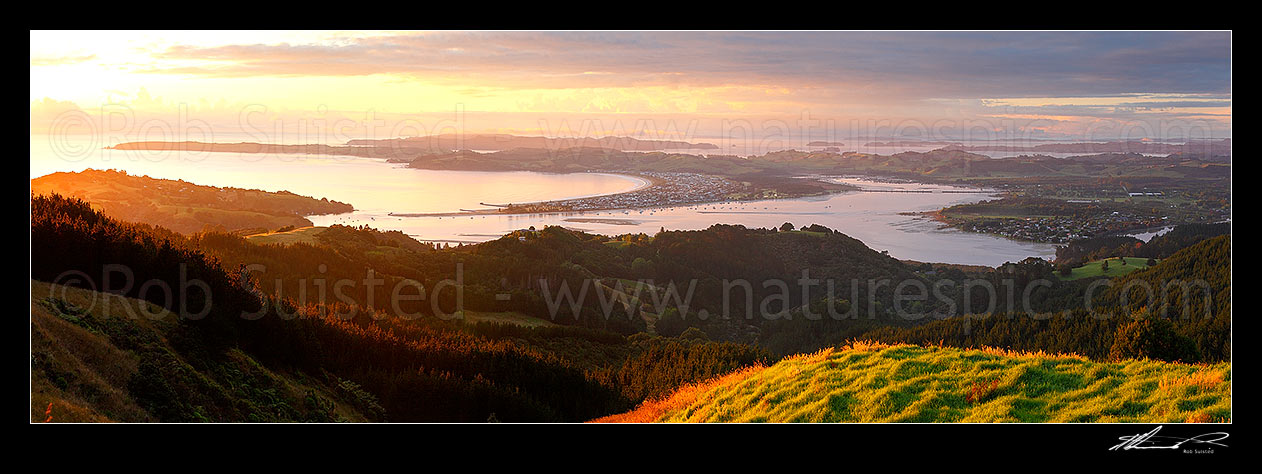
{"x": 865, "y": 381}
{"x": 78, "y": 375}
{"x": 302, "y": 234}
{"x": 93, "y": 373}
{"x": 651, "y": 410}
{"x": 1205, "y": 379}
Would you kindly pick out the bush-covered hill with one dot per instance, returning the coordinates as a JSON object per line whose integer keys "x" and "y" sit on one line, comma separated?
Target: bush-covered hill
{"x": 418, "y": 373}
{"x": 574, "y": 368}
{"x": 1158, "y": 247}
{"x": 227, "y": 351}
{"x": 904, "y": 383}
{"x": 649, "y": 277}
{"x": 1122, "y": 321}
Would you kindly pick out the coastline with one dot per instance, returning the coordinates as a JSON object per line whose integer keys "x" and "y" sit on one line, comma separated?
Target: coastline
{"x": 644, "y": 183}
{"x": 662, "y": 190}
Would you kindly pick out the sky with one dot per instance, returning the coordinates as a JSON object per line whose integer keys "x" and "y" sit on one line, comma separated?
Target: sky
{"x": 328, "y": 86}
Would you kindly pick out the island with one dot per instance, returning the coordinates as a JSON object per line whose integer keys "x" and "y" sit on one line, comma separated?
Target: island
{"x": 499, "y": 142}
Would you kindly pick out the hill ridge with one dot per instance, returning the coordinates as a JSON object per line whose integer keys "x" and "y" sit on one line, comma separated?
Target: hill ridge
{"x": 873, "y": 382}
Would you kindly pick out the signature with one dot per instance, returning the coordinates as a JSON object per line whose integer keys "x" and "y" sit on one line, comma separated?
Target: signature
{"x": 1150, "y": 440}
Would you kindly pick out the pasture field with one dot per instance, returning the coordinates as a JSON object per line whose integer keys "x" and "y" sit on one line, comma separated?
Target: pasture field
{"x": 867, "y": 382}
{"x": 1096, "y": 268}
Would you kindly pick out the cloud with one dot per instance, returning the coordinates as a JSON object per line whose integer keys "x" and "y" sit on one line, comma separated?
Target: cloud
{"x": 513, "y": 80}
{"x": 909, "y": 65}
{"x": 60, "y": 60}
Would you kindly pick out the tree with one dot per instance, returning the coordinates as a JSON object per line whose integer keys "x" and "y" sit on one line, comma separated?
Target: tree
{"x": 670, "y": 323}
{"x": 817, "y": 228}
{"x": 694, "y": 334}
{"x": 1104, "y": 266}
{"x": 1151, "y": 261}
{"x": 1152, "y": 338}
{"x": 786, "y": 227}
{"x": 641, "y": 266}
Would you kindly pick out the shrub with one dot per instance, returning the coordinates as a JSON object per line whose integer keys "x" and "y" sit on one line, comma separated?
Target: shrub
{"x": 1152, "y": 338}
{"x": 694, "y": 334}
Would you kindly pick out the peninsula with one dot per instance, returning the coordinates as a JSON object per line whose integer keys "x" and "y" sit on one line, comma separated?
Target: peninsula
{"x": 186, "y": 207}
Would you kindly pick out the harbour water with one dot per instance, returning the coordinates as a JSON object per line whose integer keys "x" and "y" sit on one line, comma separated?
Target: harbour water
{"x": 885, "y": 221}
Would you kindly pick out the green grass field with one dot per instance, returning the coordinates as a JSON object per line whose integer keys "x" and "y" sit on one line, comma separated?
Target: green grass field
{"x": 1096, "y": 268}
{"x": 302, "y": 234}
{"x": 506, "y": 317}
{"x": 905, "y": 383}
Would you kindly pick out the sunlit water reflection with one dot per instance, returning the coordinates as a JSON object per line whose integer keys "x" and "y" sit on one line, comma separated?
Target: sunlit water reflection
{"x": 377, "y": 188}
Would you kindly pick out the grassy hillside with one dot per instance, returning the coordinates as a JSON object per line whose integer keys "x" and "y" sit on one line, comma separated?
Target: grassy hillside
{"x": 1096, "y": 268}
{"x": 306, "y": 235}
{"x": 98, "y": 357}
{"x": 905, "y": 383}
{"x": 182, "y": 206}
{"x": 503, "y": 317}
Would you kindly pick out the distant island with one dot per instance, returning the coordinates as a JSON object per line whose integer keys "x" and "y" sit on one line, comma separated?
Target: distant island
{"x": 186, "y": 207}
{"x": 950, "y": 164}
{"x": 252, "y": 147}
{"x": 822, "y": 143}
{"x": 498, "y": 142}
{"x": 1196, "y": 147}
{"x": 908, "y": 143}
